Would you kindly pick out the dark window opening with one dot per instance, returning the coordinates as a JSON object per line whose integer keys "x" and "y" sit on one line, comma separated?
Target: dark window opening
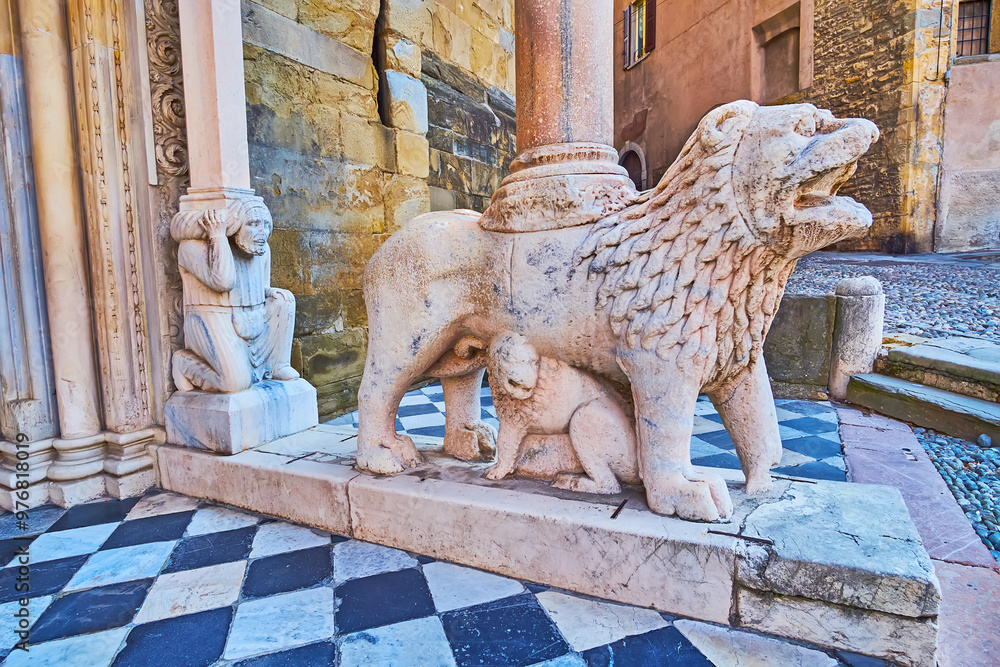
{"x": 973, "y": 27}
{"x": 781, "y": 65}
{"x": 633, "y": 165}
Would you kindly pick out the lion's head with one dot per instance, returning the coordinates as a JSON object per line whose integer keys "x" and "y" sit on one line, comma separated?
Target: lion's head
{"x": 700, "y": 263}
{"x": 513, "y": 366}
{"x": 788, "y": 167}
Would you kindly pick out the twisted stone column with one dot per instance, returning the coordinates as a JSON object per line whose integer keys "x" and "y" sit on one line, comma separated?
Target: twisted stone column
{"x": 567, "y": 171}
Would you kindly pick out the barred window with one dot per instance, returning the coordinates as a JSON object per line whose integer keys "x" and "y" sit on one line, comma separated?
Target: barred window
{"x": 973, "y": 27}
{"x": 639, "y": 31}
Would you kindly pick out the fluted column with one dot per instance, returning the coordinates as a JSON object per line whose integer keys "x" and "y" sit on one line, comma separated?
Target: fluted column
{"x": 49, "y": 89}
{"x": 567, "y": 171}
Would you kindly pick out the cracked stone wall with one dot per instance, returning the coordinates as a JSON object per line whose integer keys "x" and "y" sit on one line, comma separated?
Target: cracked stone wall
{"x": 340, "y": 100}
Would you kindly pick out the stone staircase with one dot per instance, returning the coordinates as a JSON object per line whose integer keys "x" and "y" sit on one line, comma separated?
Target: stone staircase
{"x": 951, "y": 385}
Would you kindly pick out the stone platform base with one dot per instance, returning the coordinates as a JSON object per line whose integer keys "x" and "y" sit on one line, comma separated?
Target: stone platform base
{"x": 836, "y": 564}
{"x": 231, "y": 423}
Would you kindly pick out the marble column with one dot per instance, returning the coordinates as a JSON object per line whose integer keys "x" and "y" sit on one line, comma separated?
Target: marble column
{"x": 567, "y": 171}
{"x": 102, "y": 38}
{"x": 27, "y": 401}
{"x": 80, "y": 445}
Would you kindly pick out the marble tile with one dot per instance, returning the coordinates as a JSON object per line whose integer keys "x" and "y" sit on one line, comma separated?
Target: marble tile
{"x": 792, "y": 458}
{"x": 162, "y": 528}
{"x": 281, "y": 622}
{"x": 40, "y": 519}
{"x": 47, "y": 577}
{"x": 92, "y": 514}
{"x": 218, "y": 519}
{"x": 319, "y": 654}
{"x": 92, "y": 650}
{"x": 397, "y": 645}
{"x": 511, "y": 631}
{"x": 114, "y": 566}
{"x": 812, "y": 446}
{"x": 789, "y": 433}
{"x": 192, "y": 591}
{"x": 666, "y": 646}
{"x": 290, "y": 571}
{"x": 568, "y": 660}
{"x": 72, "y": 542}
{"x": 702, "y": 425}
{"x": 421, "y": 421}
{"x": 9, "y": 623}
{"x": 589, "y": 623}
{"x": 279, "y": 537}
{"x": 812, "y": 425}
{"x": 211, "y": 549}
{"x": 194, "y": 639}
{"x": 383, "y": 599}
{"x": 455, "y": 587}
{"x": 726, "y": 647}
{"x": 162, "y": 503}
{"x": 355, "y": 559}
{"x": 92, "y": 610}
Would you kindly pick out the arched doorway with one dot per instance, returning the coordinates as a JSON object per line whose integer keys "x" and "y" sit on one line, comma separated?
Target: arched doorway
{"x": 632, "y": 158}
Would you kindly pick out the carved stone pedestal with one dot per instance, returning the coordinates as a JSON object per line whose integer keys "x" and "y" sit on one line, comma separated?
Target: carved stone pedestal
{"x": 231, "y": 423}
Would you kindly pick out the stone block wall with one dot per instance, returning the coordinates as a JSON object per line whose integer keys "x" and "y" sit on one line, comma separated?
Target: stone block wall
{"x": 339, "y": 108}
{"x": 886, "y": 60}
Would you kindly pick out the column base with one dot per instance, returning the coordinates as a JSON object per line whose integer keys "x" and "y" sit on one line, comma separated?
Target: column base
{"x": 130, "y": 486}
{"x": 38, "y": 494}
{"x": 561, "y": 185}
{"x": 77, "y": 491}
{"x": 231, "y": 423}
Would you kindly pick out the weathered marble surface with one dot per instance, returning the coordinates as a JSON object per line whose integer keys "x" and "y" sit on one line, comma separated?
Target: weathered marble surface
{"x": 665, "y": 299}
{"x": 530, "y": 530}
{"x": 230, "y": 423}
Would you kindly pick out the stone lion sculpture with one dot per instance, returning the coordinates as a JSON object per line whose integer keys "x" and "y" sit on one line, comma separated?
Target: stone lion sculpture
{"x": 541, "y": 396}
{"x": 667, "y": 298}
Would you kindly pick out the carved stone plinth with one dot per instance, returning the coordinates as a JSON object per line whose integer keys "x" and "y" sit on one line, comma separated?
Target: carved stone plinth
{"x": 231, "y": 423}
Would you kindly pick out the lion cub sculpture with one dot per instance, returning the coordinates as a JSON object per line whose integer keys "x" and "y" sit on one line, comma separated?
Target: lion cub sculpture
{"x": 542, "y": 396}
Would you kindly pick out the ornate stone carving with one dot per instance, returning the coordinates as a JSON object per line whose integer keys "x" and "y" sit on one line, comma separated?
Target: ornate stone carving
{"x": 667, "y": 298}
{"x": 556, "y": 421}
{"x": 237, "y": 328}
{"x": 166, "y": 88}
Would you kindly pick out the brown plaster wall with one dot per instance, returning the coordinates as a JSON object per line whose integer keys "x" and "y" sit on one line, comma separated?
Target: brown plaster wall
{"x": 339, "y": 182}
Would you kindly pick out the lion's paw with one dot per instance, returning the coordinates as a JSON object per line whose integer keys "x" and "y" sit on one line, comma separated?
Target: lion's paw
{"x": 486, "y": 437}
{"x": 584, "y": 484}
{"x": 389, "y": 458}
{"x": 694, "y": 497}
{"x": 498, "y": 472}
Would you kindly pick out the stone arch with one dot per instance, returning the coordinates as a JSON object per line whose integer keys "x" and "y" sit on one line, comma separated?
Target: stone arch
{"x": 633, "y": 158}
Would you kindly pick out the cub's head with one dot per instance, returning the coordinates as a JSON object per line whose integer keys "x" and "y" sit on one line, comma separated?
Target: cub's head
{"x": 513, "y": 366}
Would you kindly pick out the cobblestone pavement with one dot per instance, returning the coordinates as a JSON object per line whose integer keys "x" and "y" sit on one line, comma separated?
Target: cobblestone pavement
{"x": 926, "y": 295}
{"x": 973, "y": 475}
{"x": 172, "y": 581}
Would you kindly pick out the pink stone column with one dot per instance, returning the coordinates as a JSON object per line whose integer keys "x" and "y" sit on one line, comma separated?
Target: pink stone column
{"x": 566, "y": 173}
{"x": 565, "y": 72}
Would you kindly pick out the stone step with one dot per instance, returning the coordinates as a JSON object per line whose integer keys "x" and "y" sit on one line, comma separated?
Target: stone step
{"x": 831, "y": 563}
{"x": 954, "y": 414}
{"x": 965, "y": 366}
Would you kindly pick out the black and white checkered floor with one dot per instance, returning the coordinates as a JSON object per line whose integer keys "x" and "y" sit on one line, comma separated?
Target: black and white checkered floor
{"x": 809, "y": 432}
{"x": 171, "y": 581}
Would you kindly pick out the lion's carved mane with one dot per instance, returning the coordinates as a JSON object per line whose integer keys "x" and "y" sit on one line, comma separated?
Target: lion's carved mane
{"x": 684, "y": 269}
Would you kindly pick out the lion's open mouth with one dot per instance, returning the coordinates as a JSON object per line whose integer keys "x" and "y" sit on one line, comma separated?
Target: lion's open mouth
{"x": 821, "y": 190}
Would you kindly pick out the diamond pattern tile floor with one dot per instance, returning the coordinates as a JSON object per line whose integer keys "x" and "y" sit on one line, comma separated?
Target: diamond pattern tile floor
{"x": 271, "y": 594}
{"x": 167, "y": 579}
{"x": 809, "y": 428}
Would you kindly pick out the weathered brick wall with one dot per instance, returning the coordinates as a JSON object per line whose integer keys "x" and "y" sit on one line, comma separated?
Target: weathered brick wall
{"x": 337, "y": 179}
{"x": 879, "y": 59}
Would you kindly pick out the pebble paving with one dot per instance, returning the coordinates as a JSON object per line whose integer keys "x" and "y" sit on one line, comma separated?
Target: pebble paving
{"x": 973, "y": 475}
{"x": 930, "y": 296}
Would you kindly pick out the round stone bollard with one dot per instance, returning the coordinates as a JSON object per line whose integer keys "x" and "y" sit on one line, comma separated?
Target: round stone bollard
{"x": 857, "y": 331}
